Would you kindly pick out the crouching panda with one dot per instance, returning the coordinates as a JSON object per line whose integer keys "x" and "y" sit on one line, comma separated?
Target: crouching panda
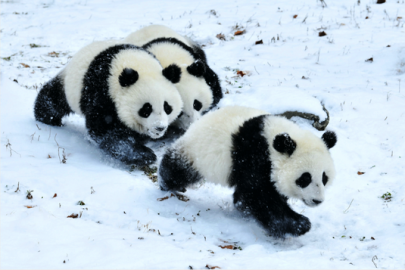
{"x": 268, "y": 159}
{"x": 199, "y": 85}
{"x": 122, "y": 91}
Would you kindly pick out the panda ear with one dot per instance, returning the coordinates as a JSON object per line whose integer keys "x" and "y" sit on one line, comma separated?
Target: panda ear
{"x": 128, "y": 77}
{"x": 330, "y": 139}
{"x": 197, "y": 68}
{"x": 284, "y": 144}
{"x": 172, "y": 73}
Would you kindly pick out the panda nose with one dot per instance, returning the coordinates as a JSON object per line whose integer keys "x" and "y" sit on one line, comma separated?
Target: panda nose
{"x": 316, "y": 201}
{"x": 160, "y": 129}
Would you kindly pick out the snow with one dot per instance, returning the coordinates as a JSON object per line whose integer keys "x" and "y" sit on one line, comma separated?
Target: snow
{"x": 122, "y": 224}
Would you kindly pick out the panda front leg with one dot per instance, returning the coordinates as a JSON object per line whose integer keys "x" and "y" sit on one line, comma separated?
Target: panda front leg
{"x": 124, "y": 148}
{"x": 176, "y": 172}
{"x": 51, "y": 104}
{"x": 272, "y": 211}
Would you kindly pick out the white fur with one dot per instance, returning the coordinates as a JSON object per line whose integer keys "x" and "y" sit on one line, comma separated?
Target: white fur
{"x": 149, "y": 33}
{"x": 152, "y": 87}
{"x": 207, "y": 145}
{"x": 74, "y": 72}
{"x": 190, "y": 87}
{"x": 311, "y": 155}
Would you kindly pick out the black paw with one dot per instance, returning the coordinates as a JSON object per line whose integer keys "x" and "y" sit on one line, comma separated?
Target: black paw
{"x": 139, "y": 157}
{"x": 129, "y": 154}
{"x": 50, "y": 120}
{"x": 300, "y": 226}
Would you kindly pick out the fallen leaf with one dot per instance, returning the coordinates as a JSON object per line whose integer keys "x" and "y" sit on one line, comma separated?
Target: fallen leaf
{"x": 259, "y": 42}
{"x": 73, "y": 216}
{"x": 372, "y": 238}
{"x": 321, "y": 34}
{"x": 370, "y": 60}
{"x": 238, "y": 33}
{"x": 295, "y": 16}
{"x": 212, "y": 267}
{"x": 181, "y": 197}
{"x": 30, "y": 206}
{"x": 33, "y": 45}
{"x": 49, "y": 156}
{"x": 388, "y": 45}
{"x": 53, "y": 54}
{"x": 24, "y": 65}
{"x": 380, "y": 1}
{"x": 366, "y": 17}
{"x": 165, "y": 198}
{"x": 221, "y": 36}
{"x": 399, "y": 18}
{"x": 15, "y": 81}
{"x": 240, "y": 73}
{"x": 227, "y": 247}
{"x": 360, "y": 173}
{"x": 54, "y": 196}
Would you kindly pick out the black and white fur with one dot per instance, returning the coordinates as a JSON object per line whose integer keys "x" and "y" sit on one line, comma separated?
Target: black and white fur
{"x": 268, "y": 159}
{"x": 199, "y": 85}
{"x": 122, "y": 91}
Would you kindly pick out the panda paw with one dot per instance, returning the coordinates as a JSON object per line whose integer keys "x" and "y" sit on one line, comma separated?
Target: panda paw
{"x": 140, "y": 157}
{"x": 128, "y": 153}
{"x": 300, "y": 226}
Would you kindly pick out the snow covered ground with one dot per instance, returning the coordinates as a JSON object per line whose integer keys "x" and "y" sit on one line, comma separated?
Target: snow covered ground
{"x": 122, "y": 224}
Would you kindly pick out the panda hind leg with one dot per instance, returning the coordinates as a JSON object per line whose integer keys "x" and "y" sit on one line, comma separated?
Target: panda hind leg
{"x": 176, "y": 172}
{"x": 51, "y": 104}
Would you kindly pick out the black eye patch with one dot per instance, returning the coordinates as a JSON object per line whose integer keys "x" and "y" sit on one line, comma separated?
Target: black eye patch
{"x": 128, "y": 77}
{"x": 197, "y": 105}
{"x": 168, "y": 109}
{"x": 145, "y": 111}
{"x": 304, "y": 180}
{"x": 324, "y": 178}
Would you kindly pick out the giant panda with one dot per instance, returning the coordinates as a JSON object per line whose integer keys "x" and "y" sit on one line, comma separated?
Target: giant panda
{"x": 267, "y": 159}
{"x": 165, "y": 44}
{"x": 122, "y": 91}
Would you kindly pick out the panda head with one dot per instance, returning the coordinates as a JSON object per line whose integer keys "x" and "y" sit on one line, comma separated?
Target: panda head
{"x": 143, "y": 92}
{"x": 302, "y": 166}
{"x": 194, "y": 91}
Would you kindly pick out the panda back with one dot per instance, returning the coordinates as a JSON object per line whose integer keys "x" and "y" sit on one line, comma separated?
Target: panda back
{"x": 208, "y": 142}
{"x": 74, "y": 72}
{"x": 149, "y": 33}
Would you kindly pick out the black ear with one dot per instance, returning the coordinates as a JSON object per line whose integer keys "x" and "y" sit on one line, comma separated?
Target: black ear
{"x": 330, "y": 139}
{"x": 128, "y": 77}
{"x": 284, "y": 144}
{"x": 172, "y": 73}
{"x": 197, "y": 68}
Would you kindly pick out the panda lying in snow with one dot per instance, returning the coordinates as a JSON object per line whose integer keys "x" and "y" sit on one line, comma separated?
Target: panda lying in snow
{"x": 124, "y": 94}
{"x": 199, "y": 86}
{"x": 268, "y": 159}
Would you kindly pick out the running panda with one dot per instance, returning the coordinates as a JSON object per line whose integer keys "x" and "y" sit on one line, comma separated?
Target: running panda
{"x": 268, "y": 159}
{"x": 199, "y": 86}
{"x": 122, "y": 91}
